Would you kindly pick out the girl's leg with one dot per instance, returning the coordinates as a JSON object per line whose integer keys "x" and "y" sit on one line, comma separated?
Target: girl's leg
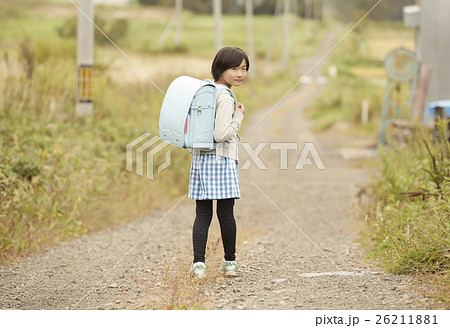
{"x": 227, "y": 227}
{"x": 200, "y": 229}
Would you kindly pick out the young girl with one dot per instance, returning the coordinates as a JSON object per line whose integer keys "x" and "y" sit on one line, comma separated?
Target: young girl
{"x": 215, "y": 174}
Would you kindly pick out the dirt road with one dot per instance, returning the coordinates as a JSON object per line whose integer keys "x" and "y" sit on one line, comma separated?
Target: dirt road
{"x": 296, "y": 239}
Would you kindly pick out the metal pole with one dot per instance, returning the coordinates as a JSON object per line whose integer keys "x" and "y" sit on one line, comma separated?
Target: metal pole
{"x": 217, "y": 8}
{"x": 250, "y": 42}
{"x": 178, "y": 21}
{"x": 268, "y": 60}
{"x": 85, "y": 58}
{"x": 286, "y": 35}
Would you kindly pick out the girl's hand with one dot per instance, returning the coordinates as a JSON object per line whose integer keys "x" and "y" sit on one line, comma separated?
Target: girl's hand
{"x": 240, "y": 107}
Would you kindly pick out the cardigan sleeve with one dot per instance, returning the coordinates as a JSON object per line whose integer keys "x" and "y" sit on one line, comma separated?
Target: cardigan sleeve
{"x": 228, "y": 120}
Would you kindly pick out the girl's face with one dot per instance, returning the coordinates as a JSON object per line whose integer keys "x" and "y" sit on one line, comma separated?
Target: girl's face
{"x": 234, "y": 75}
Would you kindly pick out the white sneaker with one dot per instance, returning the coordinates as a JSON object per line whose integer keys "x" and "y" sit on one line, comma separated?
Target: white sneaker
{"x": 229, "y": 268}
{"x": 198, "y": 270}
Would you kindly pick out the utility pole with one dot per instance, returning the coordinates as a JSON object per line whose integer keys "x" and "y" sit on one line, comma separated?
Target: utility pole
{"x": 178, "y": 21}
{"x": 286, "y": 35}
{"x": 326, "y": 10}
{"x": 269, "y": 53}
{"x": 316, "y": 4}
{"x": 217, "y": 8}
{"x": 434, "y": 45}
{"x": 308, "y": 9}
{"x": 85, "y": 58}
{"x": 250, "y": 42}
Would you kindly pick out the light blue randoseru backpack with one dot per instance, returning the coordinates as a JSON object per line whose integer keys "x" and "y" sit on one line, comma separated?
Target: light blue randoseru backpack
{"x": 188, "y": 112}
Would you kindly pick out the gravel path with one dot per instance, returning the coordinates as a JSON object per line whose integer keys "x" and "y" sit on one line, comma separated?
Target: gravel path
{"x": 295, "y": 249}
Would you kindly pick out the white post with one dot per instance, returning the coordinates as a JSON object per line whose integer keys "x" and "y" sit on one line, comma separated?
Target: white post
{"x": 217, "y": 8}
{"x": 85, "y": 58}
{"x": 365, "y": 112}
{"x": 250, "y": 42}
{"x": 178, "y": 21}
{"x": 286, "y": 35}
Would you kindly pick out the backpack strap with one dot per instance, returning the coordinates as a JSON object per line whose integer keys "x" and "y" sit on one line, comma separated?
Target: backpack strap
{"x": 220, "y": 87}
{"x": 223, "y": 86}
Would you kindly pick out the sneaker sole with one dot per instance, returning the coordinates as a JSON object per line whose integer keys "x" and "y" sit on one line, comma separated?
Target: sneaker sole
{"x": 230, "y": 274}
{"x": 200, "y": 276}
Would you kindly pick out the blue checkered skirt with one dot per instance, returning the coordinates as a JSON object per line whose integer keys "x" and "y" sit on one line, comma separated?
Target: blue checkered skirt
{"x": 213, "y": 177}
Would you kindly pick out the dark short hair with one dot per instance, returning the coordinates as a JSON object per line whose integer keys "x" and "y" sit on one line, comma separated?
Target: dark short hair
{"x": 226, "y": 58}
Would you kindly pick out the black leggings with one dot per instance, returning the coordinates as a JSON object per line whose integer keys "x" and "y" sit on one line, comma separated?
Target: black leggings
{"x": 204, "y": 213}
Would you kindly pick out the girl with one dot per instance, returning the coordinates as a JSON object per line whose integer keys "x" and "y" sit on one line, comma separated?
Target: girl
{"x": 215, "y": 174}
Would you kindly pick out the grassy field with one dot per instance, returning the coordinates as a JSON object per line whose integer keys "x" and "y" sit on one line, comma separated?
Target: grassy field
{"x": 61, "y": 175}
{"x": 361, "y": 75}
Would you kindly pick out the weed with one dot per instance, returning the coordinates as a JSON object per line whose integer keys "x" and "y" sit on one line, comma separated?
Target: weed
{"x": 408, "y": 217}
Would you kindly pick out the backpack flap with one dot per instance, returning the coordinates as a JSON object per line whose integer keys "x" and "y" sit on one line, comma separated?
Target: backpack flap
{"x": 200, "y": 129}
{"x": 175, "y": 109}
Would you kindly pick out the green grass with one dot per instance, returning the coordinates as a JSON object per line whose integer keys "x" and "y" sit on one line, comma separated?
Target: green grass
{"x": 63, "y": 176}
{"x": 407, "y": 216}
{"x": 34, "y": 28}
